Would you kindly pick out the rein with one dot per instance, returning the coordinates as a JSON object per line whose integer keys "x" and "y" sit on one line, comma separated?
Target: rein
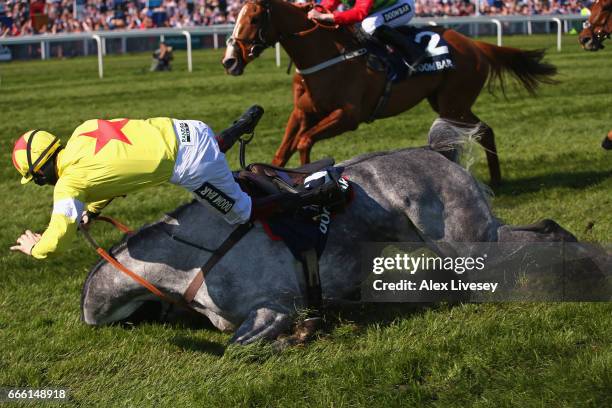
{"x": 196, "y": 282}
{"x": 119, "y": 266}
{"x": 253, "y": 48}
{"x": 317, "y": 24}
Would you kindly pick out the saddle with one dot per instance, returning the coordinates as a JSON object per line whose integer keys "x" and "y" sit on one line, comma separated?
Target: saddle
{"x": 320, "y": 191}
{"x": 261, "y": 179}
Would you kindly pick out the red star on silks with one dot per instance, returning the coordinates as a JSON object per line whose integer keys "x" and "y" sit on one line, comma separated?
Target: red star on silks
{"x": 108, "y": 131}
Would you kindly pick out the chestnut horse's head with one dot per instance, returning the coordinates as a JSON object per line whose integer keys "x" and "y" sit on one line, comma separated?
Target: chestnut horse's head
{"x": 252, "y": 34}
{"x": 598, "y": 27}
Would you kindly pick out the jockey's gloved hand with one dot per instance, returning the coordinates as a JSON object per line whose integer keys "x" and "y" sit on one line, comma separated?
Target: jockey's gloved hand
{"x": 87, "y": 218}
{"x": 244, "y": 125}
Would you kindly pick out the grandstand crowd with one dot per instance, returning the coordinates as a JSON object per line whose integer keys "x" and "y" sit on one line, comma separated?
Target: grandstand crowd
{"x": 23, "y": 17}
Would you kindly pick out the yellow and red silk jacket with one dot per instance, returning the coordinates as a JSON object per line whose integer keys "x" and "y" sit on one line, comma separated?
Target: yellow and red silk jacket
{"x": 102, "y": 160}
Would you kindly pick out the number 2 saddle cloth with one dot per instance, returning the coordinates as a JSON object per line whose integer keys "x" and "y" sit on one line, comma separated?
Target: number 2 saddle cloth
{"x": 439, "y": 57}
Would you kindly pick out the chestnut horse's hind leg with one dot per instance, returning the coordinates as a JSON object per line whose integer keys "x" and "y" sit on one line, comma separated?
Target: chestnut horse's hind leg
{"x": 487, "y": 141}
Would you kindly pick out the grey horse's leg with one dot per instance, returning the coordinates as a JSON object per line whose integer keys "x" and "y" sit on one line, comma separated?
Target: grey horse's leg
{"x": 543, "y": 231}
{"x": 266, "y": 322}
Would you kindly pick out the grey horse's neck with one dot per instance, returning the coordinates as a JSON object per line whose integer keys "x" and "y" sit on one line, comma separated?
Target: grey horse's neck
{"x": 192, "y": 232}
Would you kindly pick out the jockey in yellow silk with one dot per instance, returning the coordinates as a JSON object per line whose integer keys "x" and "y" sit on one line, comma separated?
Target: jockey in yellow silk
{"x": 104, "y": 159}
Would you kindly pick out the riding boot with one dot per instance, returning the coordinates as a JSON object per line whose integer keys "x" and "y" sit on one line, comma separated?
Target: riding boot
{"x": 412, "y": 53}
{"x": 244, "y": 125}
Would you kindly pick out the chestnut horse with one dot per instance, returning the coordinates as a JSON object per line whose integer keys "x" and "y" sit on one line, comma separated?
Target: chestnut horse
{"x": 598, "y": 27}
{"x": 339, "y": 97}
{"x": 596, "y": 30}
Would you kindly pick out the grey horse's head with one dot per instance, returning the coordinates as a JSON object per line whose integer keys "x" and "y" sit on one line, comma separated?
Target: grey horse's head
{"x": 108, "y": 295}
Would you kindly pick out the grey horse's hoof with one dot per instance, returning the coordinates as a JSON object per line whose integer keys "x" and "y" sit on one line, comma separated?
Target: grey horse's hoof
{"x": 307, "y": 328}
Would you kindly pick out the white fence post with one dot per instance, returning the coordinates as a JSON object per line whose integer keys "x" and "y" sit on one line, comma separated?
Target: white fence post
{"x": 43, "y": 50}
{"x": 559, "y": 33}
{"x": 187, "y": 35}
{"x": 99, "y": 41}
{"x": 499, "y": 30}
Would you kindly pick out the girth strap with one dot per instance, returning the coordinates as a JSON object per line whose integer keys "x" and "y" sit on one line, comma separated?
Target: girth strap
{"x": 310, "y": 265}
{"x": 382, "y": 101}
{"x": 228, "y": 244}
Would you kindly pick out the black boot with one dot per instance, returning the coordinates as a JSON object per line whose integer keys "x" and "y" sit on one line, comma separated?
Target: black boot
{"x": 244, "y": 125}
{"x": 412, "y": 53}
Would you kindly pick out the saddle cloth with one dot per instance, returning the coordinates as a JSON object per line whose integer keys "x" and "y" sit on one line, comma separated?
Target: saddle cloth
{"x": 438, "y": 58}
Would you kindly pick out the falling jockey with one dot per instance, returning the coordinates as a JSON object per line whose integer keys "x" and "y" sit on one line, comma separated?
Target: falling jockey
{"x": 105, "y": 159}
{"x": 378, "y": 18}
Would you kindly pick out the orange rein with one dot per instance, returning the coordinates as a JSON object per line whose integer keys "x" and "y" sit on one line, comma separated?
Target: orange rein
{"x": 119, "y": 266}
{"x": 317, "y": 24}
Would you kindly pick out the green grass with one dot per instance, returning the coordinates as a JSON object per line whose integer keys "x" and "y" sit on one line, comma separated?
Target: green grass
{"x": 488, "y": 355}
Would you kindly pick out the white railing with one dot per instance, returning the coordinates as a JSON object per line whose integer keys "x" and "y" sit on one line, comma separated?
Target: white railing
{"x": 100, "y": 37}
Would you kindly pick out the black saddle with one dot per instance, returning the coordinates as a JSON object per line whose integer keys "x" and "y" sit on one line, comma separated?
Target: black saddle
{"x": 261, "y": 179}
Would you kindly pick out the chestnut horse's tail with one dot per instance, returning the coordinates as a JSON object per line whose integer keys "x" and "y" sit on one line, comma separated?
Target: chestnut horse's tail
{"x": 525, "y": 66}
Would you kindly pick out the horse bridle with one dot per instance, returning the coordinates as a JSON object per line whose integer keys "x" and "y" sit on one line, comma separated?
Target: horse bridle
{"x": 602, "y": 34}
{"x": 196, "y": 282}
{"x": 254, "y": 48}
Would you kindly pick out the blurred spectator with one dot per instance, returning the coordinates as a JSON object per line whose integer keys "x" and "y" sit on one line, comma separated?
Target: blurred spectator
{"x": 22, "y": 17}
{"x": 162, "y": 58}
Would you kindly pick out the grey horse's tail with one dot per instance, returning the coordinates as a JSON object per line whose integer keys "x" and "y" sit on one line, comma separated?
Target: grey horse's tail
{"x": 455, "y": 140}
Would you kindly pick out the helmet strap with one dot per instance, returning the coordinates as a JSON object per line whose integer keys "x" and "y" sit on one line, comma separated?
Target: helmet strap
{"x": 39, "y": 179}
{"x": 49, "y": 170}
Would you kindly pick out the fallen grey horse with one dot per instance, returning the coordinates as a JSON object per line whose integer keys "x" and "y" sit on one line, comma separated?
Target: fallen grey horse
{"x": 257, "y": 289}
